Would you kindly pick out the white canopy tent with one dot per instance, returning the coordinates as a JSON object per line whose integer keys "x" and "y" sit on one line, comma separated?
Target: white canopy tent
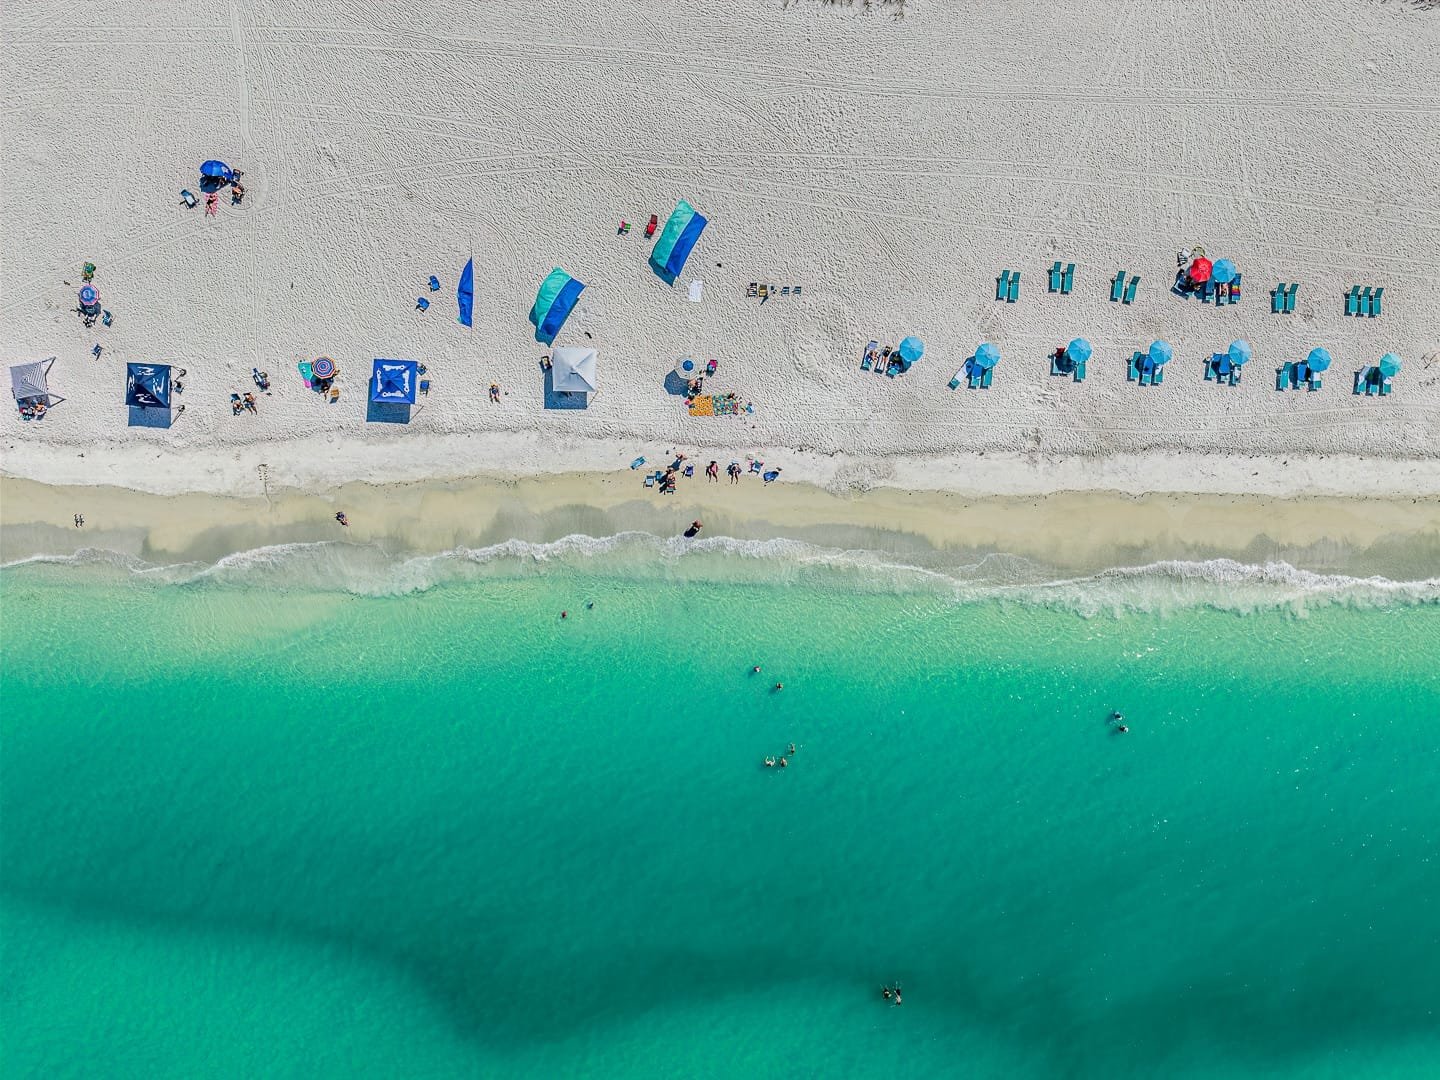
{"x": 28, "y": 382}
{"x": 572, "y": 370}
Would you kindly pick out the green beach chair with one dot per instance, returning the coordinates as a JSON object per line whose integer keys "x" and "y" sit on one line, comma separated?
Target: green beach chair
{"x": 1067, "y": 280}
{"x": 1129, "y": 296}
{"x": 1363, "y": 308}
{"x": 1290, "y": 298}
{"x": 1014, "y": 293}
{"x": 1002, "y": 285}
{"x": 1352, "y": 301}
{"x": 1055, "y": 277}
{"x": 1117, "y": 286}
{"x": 1375, "y": 300}
{"x": 1080, "y": 371}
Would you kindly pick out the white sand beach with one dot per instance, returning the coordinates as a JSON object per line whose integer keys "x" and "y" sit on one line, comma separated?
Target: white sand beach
{"x": 889, "y": 158}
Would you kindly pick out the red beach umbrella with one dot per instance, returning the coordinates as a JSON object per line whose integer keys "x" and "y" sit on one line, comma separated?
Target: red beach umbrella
{"x": 1200, "y": 270}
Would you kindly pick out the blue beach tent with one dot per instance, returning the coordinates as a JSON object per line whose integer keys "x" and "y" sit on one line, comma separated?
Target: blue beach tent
{"x": 216, "y": 170}
{"x": 1318, "y": 360}
{"x": 553, "y": 303}
{"x": 676, "y": 240}
{"x": 465, "y": 292}
{"x": 147, "y": 386}
{"x": 986, "y": 356}
{"x": 393, "y": 382}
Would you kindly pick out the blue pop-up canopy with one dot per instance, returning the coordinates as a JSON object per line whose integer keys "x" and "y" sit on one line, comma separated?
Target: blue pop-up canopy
{"x": 147, "y": 386}
{"x": 557, "y": 296}
{"x": 676, "y": 240}
{"x": 392, "y": 382}
{"x": 465, "y": 292}
{"x": 986, "y": 356}
{"x": 217, "y": 170}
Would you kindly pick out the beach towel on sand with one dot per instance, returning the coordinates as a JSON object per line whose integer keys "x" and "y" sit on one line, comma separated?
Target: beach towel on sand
{"x": 304, "y": 369}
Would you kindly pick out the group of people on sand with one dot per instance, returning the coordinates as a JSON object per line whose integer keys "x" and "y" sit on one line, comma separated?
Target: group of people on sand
{"x": 238, "y": 404}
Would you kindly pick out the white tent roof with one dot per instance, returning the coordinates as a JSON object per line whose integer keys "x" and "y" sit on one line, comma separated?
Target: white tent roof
{"x": 28, "y": 380}
{"x": 572, "y": 370}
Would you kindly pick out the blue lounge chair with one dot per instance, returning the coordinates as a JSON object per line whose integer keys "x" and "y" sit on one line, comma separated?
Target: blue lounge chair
{"x": 637, "y": 463}
{"x": 1375, "y": 300}
{"x": 425, "y": 386}
{"x": 1067, "y": 280}
{"x": 1352, "y": 301}
{"x": 434, "y": 283}
{"x": 1157, "y": 376}
{"x": 422, "y": 304}
{"x": 1363, "y": 307}
{"x": 1284, "y": 376}
{"x": 1057, "y": 363}
{"x": 188, "y": 198}
{"x": 1129, "y": 297}
{"x": 1014, "y": 293}
{"x": 1362, "y": 381}
{"x": 1277, "y": 299}
{"x": 1212, "y": 368}
{"x": 1002, "y": 285}
{"x": 1133, "y": 374}
{"x": 1117, "y": 287}
{"x": 1313, "y": 383}
{"x": 986, "y": 377}
{"x": 1055, "y": 277}
{"x": 650, "y": 479}
{"x": 1290, "y": 298}
{"x": 869, "y": 356}
{"x": 1080, "y": 371}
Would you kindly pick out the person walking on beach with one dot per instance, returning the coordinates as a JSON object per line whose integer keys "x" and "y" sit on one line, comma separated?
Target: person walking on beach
{"x": 494, "y": 393}
{"x": 712, "y": 472}
{"x": 734, "y": 470}
{"x": 79, "y": 520}
{"x": 340, "y": 517}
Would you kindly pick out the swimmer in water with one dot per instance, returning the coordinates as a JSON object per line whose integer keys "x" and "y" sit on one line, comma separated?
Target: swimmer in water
{"x": 340, "y": 517}
{"x": 1121, "y": 730}
{"x": 769, "y": 763}
{"x": 792, "y": 748}
{"x": 564, "y": 614}
{"x": 756, "y": 669}
{"x": 1117, "y": 717}
{"x": 779, "y": 686}
{"x": 784, "y": 764}
{"x": 589, "y": 604}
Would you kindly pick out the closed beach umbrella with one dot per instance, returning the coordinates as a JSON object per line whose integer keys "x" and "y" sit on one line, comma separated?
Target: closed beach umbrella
{"x": 1389, "y": 365}
{"x": 987, "y": 356}
{"x": 89, "y": 298}
{"x": 323, "y": 368}
{"x": 1223, "y": 271}
{"x": 687, "y": 368}
{"x": 1201, "y": 269}
{"x": 217, "y": 169}
{"x": 911, "y": 349}
{"x": 1239, "y": 352}
{"x": 1318, "y": 360}
{"x": 1078, "y": 351}
{"x": 1160, "y": 352}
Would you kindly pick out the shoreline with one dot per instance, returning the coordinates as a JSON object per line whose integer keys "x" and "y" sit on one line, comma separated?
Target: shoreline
{"x": 1066, "y": 532}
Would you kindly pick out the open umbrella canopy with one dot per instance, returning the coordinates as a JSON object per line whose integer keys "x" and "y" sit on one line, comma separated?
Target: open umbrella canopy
{"x": 1223, "y": 271}
{"x": 217, "y": 169}
{"x": 1078, "y": 351}
{"x": 89, "y": 298}
{"x": 573, "y": 370}
{"x": 986, "y": 356}
{"x": 911, "y": 349}
{"x": 1389, "y": 365}
{"x": 1160, "y": 352}
{"x": 688, "y": 368}
{"x": 1318, "y": 360}
{"x": 323, "y": 368}
{"x": 1239, "y": 352}
{"x": 1201, "y": 269}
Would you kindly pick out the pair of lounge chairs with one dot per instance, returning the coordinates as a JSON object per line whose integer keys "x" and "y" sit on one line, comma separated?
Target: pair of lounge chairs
{"x": 1369, "y": 381}
{"x": 1282, "y": 298}
{"x": 973, "y": 375}
{"x": 1138, "y": 373}
{"x": 1062, "y": 281}
{"x": 1221, "y": 370}
{"x": 1365, "y": 303}
{"x": 1291, "y": 376}
{"x": 1007, "y": 286}
{"x": 1120, "y": 291}
{"x": 1059, "y": 365}
{"x": 1221, "y": 293}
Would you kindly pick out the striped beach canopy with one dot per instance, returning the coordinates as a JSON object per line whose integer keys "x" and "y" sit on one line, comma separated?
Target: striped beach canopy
{"x": 676, "y": 240}
{"x": 553, "y": 303}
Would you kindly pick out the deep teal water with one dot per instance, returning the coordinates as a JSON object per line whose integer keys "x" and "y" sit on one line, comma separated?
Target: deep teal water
{"x": 257, "y": 829}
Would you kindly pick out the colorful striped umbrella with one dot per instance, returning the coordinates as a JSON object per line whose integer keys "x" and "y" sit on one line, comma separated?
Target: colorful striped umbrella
{"x": 89, "y": 298}
{"x": 323, "y": 368}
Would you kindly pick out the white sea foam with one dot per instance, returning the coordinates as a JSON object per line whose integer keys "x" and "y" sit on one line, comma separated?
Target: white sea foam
{"x": 366, "y": 570}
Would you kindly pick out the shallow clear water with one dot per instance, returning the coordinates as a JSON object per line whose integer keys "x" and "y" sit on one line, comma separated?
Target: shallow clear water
{"x": 430, "y": 829}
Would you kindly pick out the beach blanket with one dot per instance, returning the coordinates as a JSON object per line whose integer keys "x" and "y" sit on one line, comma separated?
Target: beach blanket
{"x": 304, "y": 368}
{"x": 702, "y": 405}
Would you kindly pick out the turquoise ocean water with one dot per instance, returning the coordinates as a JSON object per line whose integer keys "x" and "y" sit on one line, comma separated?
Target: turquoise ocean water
{"x": 318, "y": 812}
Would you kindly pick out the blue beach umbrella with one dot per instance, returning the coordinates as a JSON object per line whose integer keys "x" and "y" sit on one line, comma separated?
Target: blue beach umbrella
{"x": 1318, "y": 360}
{"x": 1389, "y": 365}
{"x": 911, "y": 349}
{"x": 687, "y": 367}
{"x": 216, "y": 169}
{"x": 1239, "y": 352}
{"x": 1078, "y": 351}
{"x": 89, "y": 298}
{"x": 1160, "y": 352}
{"x": 1223, "y": 272}
{"x": 986, "y": 356}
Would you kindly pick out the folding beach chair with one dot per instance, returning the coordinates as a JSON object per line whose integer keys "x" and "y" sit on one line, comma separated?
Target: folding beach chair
{"x": 421, "y": 304}
{"x": 1057, "y": 362}
{"x": 1133, "y": 372}
{"x": 188, "y": 198}
{"x": 1129, "y": 296}
{"x": 425, "y": 387}
{"x": 1067, "y": 280}
{"x": 1375, "y": 300}
{"x": 1212, "y": 368}
{"x": 796, "y": 291}
{"x": 1002, "y": 285}
{"x": 1055, "y": 277}
{"x": 1352, "y": 301}
{"x": 1080, "y": 371}
{"x": 785, "y": 290}
{"x": 869, "y": 357}
{"x": 752, "y": 290}
{"x": 1117, "y": 286}
{"x": 959, "y": 377}
{"x": 1385, "y": 387}
{"x": 1362, "y": 382}
{"x": 650, "y": 226}
{"x": 434, "y": 283}
{"x": 1277, "y": 299}
{"x": 1283, "y": 377}
{"x": 1207, "y": 291}
{"x": 1158, "y": 375}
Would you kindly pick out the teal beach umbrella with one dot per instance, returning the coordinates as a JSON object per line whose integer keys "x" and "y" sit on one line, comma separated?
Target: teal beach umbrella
{"x": 1239, "y": 353}
{"x": 1160, "y": 352}
{"x": 1389, "y": 365}
{"x": 986, "y": 356}
{"x": 1078, "y": 351}
{"x": 1318, "y": 360}
{"x": 911, "y": 349}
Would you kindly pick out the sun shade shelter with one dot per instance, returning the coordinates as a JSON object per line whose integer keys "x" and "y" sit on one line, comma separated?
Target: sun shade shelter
{"x": 572, "y": 370}
{"x": 1389, "y": 365}
{"x": 147, "y": 386}
{"x": 1318, "y": 360}
{"x": 216, "y": 170}
{"x": 676, "y": 240}
{"x": 28, "y": 382}
{"x": 393, "y": 382}
{"x": 465, "y": 293}
{"x": 986, "y": 356}
{"x": 553, "y": 303}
